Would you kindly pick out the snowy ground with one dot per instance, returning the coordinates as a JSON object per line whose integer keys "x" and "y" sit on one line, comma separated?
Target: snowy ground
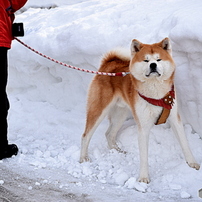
{"x": 47, "y": 114}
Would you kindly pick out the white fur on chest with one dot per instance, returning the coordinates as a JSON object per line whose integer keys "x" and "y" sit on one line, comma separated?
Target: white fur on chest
{"x": 146, "y": 112}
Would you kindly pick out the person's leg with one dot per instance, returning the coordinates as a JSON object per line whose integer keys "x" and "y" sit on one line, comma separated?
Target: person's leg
{"x": 4, "y": 104}
{"x": 5, "y": 149}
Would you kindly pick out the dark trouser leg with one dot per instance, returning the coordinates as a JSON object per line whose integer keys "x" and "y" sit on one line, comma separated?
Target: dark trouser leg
{"x": 4, "y": 103}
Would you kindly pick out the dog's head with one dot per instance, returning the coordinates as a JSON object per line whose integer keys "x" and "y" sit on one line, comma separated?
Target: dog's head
{"x": 151, "y": 61}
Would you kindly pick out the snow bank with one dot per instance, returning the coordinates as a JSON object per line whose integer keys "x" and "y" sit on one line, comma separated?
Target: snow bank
{"x": 79, "y": 33}
{"x": 47, "y": 113}
{"x": 187, "y": 46}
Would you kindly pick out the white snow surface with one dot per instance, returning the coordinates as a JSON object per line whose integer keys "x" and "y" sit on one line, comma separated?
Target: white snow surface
{"x": 47, "y": 114}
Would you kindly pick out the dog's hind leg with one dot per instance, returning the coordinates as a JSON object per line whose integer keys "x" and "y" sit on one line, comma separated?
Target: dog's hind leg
{"x": 88, "y": 133}
{"x": 117, "y": 116}
{"x": 99, "y": 104}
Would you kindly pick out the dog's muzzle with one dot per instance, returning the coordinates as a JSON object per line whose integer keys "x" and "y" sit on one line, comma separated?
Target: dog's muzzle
{"x": 153, "y": 70}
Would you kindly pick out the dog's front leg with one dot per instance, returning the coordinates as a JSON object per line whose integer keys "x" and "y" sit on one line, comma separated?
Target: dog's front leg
{"x": 143, "y": 140}
{"x": 145, "y": 120}
{"x": 178, "y": 129}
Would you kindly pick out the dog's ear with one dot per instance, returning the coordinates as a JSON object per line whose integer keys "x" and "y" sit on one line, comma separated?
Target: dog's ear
{"x": 166, "y": 45}
{"x": 135, "y": 46}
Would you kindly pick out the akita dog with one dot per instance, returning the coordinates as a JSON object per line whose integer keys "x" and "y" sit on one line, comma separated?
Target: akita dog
{"x": 148, "y": 91}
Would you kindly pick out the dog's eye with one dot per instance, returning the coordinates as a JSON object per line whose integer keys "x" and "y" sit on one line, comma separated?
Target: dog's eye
{"x": 146, "y": 60}
{"x": 158, "y": 60}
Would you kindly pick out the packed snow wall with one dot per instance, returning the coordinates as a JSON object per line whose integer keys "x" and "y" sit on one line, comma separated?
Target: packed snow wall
{"x": 80, "y": 33}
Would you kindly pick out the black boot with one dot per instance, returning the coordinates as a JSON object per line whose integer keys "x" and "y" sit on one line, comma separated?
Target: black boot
{"x": 8, "y": 151}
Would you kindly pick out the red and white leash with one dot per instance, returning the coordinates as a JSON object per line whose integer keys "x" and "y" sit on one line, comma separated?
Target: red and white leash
{"x": 72, "y": 67}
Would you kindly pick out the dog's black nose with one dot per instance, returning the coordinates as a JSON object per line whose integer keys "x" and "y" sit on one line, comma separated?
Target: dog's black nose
{"x": 153, "y": 67}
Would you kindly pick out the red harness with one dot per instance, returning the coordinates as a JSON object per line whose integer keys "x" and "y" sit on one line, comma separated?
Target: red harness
{"x": 166, "y": 102}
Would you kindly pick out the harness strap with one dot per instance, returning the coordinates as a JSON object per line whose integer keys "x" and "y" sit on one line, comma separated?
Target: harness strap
{"x": 166, "y": 102}
{"x": 163, "y": 116}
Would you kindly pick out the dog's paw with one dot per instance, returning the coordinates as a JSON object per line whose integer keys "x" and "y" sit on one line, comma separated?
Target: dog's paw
{"x": 194, "y": 165}
{"x": 117, "y": 148}
{"x": 144, "y": 179}
{"x": 120, "y": 150}
{"x": 84, "y": 159}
